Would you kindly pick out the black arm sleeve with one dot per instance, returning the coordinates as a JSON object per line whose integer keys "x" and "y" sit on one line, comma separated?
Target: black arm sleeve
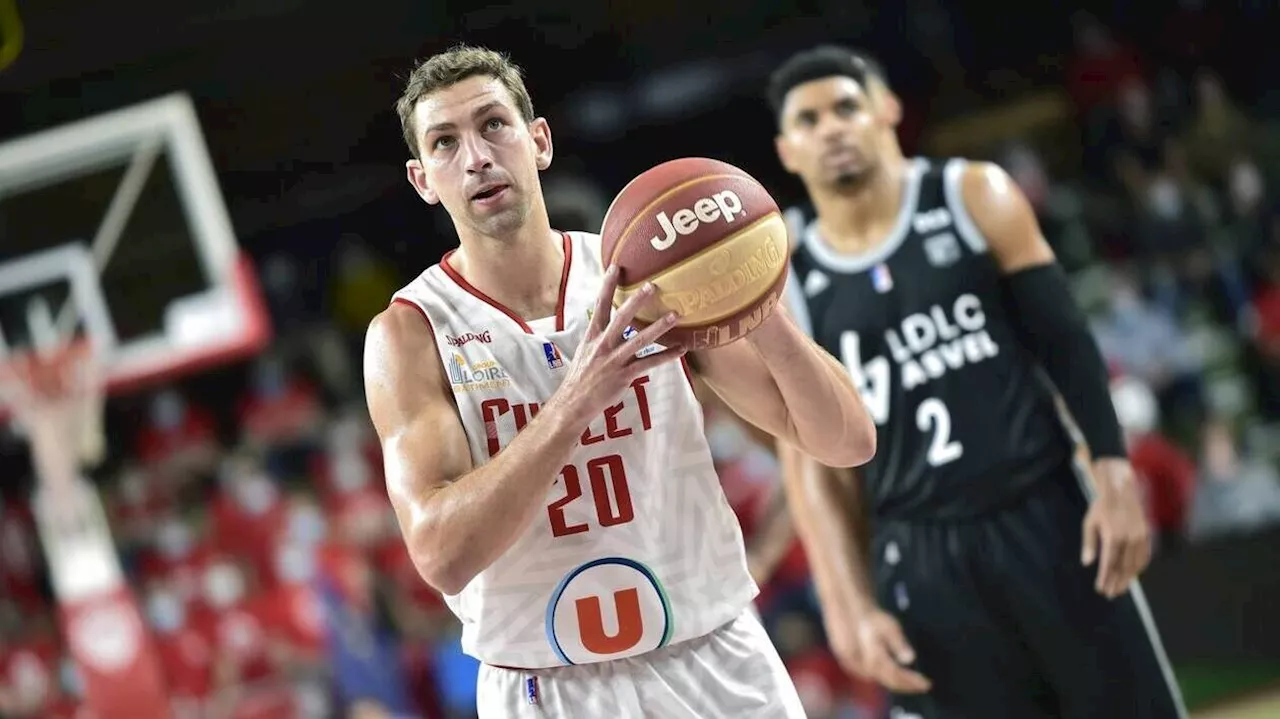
{"x": 1053, "y": 329}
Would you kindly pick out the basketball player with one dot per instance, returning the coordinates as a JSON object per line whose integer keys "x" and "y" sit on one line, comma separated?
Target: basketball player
{"x": 997, "y": 586}
{"x": 547, "y": 463}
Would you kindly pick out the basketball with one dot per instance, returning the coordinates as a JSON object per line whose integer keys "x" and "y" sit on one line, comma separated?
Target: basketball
{"x": 712, "y": 241}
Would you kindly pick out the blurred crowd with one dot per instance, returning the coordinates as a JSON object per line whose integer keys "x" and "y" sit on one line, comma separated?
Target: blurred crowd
{"x": 257, "y": 535}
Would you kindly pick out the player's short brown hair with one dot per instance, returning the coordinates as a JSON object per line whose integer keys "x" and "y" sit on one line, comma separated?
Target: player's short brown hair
{"x": 451, "y": 67}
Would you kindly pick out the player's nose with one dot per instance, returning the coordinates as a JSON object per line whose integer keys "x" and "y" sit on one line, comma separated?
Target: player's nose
{"x": 831, "y": 128}
{"x": 476, "y": 155}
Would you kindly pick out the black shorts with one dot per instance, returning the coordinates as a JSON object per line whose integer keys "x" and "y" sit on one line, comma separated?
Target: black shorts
{"x": 1006, "y": 622}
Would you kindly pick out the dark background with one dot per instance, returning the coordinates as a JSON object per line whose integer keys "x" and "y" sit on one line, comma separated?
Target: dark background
{"x": 296, "y": 96}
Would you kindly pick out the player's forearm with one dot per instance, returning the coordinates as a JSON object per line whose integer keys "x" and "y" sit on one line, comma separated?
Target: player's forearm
{"x": 830, "y": 519}
{"x": 825, "y": 417}
{"x": 465, "y": 526}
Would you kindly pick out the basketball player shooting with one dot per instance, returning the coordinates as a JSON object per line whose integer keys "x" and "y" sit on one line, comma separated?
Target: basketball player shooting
{"x": 547, "y": 464}
{"x": 999, "y": 585}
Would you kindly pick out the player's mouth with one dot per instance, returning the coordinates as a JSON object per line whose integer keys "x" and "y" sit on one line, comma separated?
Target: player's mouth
{"x": 490, "y": 194}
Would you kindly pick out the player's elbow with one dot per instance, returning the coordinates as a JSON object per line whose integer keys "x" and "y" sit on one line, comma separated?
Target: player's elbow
{"x": 856, "y": 449}
{"x": 446, "y": 572}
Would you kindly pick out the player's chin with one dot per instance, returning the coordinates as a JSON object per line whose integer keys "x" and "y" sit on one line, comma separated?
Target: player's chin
{"x": 495, "y": 221}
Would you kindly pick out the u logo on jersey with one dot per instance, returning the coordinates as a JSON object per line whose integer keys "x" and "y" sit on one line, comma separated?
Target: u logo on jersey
{"x": 608, "y": 608}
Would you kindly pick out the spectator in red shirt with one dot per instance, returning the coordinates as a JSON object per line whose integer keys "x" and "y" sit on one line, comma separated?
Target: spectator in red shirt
{"x": 1166, "y": 473}
{"x": 249, "y": 515}
{"x": 1099, "y": 66}
{"x": 179, "y": 437}
{"x": 177, "y": 559}
{"x": 29, "y": 676}
{"x": 184, "y": 652}
{"x": 280, "y": 408}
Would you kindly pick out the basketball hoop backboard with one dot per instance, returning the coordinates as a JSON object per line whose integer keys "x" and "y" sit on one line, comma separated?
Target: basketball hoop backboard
{"x": 117, "y": 226}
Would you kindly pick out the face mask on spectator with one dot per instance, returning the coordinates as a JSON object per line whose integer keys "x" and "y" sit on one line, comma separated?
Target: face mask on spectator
{"x": 1136, "y": 406}
{"x": 345, "y": 436}
{"x": 256, "y": 494}
{"x": 727, "y": 441}
{"x": 28, "y": 677}
{"x": 295, "y": 564}
{"x": 165, "y": 611}
{"x": 133, "y": 487}
{"x": 1245, "y": 185}
{"x": 168, "y": 410}
{"x": 269, "y": 379}
{"x": 69, "y": 674}
{"x": 307, "y": 524}
{"x": 1164, "y": 199}
{"x": 174, "y": 539}
{"x": 223, "y": 586}
{"x": 350, "y": 472}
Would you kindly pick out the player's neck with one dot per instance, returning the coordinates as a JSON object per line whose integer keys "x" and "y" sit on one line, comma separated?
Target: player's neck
{"x": 522, "y": 272}
{"x": 859, "y": 219}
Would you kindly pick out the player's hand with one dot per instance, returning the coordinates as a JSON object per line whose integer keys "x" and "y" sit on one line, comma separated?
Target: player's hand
{"x": 606, "y": 363}
{"x": 1116, "y": 534}
{"x": 871, "y": 645}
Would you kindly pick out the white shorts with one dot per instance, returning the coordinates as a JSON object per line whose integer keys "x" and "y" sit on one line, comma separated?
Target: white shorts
{"x": 731, "y": 672}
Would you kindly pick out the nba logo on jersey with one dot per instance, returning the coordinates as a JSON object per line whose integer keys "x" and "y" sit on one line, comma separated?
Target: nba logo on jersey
{"x": 881, "y": 279}
{"x": 552, "y": 353}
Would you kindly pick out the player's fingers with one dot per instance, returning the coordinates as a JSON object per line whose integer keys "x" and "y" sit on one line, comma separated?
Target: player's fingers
{"x": 1136, "y": 554}
{"x": 1089, "y": 548}
{"x": 627, "y": 310}
{"x": 1106, "y": 562}
{"x": 604, "y": 302}
{"x": 650, "y": 334}
{"x": 896, "y": 677}
{"x": 896, "y": 642}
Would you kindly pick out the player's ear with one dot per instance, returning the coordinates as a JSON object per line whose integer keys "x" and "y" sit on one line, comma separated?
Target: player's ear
{"x": 418, "y": 178}
{"x": 783, "y": 149}
{"x": 543, "y": 148}
{"x": 890, "y": 107}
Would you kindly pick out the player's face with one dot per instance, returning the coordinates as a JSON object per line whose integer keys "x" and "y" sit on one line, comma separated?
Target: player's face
{"x": 480, "y": 159}
{"x": 830, "y": 132}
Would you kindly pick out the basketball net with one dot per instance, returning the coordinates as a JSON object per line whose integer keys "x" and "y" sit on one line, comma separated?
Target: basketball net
{"x": 55, "y": 396}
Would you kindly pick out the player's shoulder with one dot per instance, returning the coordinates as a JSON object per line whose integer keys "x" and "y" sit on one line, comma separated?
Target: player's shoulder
{"x": 402, "y": 329}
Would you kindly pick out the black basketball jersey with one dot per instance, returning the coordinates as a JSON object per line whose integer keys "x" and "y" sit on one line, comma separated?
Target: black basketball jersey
{"x": 965, "y": 419}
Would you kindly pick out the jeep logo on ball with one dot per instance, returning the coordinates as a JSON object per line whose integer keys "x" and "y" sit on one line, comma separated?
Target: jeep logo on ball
{"x": 726, "y": 205}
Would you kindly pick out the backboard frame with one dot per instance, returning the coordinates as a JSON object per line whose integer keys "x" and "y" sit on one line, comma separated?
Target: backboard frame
{"x": 132, "y": 136}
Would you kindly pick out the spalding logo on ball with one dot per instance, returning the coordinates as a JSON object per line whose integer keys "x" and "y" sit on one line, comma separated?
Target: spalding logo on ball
{"x": 710, "y": 238}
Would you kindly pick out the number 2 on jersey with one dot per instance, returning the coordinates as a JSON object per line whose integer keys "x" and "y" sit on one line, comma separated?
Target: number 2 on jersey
{"x": 608, "y": 480}
{"x": 872, "y": 381}
{"x": 932, "y": 414}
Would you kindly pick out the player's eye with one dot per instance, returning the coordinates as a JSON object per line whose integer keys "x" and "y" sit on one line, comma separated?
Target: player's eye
{"x": 443, "y": 142}
{"x": 494, "y": 123}
{"x": 806, "y": 119}
{"x": 845, "y": 108}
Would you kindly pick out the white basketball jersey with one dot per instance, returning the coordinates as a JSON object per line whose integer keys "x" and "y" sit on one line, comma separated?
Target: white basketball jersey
{"x": 637, "y": 547}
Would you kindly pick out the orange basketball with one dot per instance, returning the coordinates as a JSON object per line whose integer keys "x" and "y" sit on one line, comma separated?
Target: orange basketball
{"x": 710, "y": 238}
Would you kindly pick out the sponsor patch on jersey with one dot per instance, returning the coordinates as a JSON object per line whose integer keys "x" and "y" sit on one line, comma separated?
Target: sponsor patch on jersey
{"x": 483, "y": 375}
{"x": 942, "y": 250}
{"x": 552, "y": 353}
{"x": 881, "y": 280}
{"x": 608, "y": 608}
